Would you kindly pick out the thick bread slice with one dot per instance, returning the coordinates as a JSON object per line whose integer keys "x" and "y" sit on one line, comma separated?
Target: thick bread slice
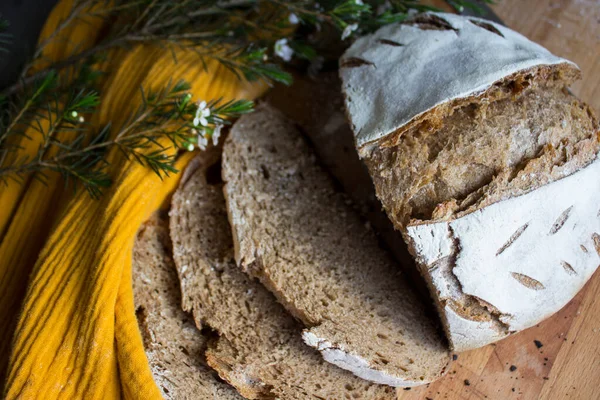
{"x": 300, "y": 237}
{"x": 174, "y": 347}
{"x": 317, "y": 105}
{"x": 494, "y": 192}
{"x": 259, "y": 350}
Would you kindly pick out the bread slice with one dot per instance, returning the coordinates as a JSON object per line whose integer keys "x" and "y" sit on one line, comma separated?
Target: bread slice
{"x": 259, "y": 349}
{"x": 316, "y": 103}
{"x": 489, "y": 172}
{"x": 302, "y": 239}
{"x": 174, "y": 347}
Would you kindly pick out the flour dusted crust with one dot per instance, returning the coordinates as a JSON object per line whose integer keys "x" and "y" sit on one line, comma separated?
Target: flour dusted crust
{"x": 486, "y": 164}
{"x": 397, "y": 76}
{"x": 349, "y": 361}
{"x": 522, "y": 259}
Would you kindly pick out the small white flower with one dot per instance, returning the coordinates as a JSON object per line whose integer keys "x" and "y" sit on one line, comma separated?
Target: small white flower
{"x": 293, "y": 18}
{"x": 74, "y": 114}
{"x": 348, "y": 31}
{"x": 201, "y": 114}
{"x": 202, "y": 142}
{"x": 283, "y": 50}
{"x": 190, "y": 147}
{"x": 216, "y": 134}
{"x": 81, "y": 119}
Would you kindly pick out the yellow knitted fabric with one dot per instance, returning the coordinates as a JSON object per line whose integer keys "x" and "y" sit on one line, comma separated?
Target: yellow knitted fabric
{"x": 76, "y": 335}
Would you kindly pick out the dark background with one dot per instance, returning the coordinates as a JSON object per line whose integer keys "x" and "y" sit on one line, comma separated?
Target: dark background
{"x": 26, "y": 18}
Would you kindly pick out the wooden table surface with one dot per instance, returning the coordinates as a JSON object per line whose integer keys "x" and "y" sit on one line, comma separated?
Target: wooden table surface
{"x": 567, "y": 366}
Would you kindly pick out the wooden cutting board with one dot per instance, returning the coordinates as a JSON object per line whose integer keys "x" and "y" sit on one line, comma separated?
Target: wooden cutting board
{"x": 565, "y": 362}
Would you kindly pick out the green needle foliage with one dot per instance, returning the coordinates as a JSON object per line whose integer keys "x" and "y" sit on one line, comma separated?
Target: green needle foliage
{"x": 252, "y": 38}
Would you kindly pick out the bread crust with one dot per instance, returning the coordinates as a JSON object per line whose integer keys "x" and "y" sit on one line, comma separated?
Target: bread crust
{"x": 414, "y": 73}
{"x": 490, "y": 143}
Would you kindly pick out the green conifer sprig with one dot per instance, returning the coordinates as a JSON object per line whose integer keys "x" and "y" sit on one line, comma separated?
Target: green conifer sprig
{"x": 254, "y": 39}
{"x": 164, "y": 114}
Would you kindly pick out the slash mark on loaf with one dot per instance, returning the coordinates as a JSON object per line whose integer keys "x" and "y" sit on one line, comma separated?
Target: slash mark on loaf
{"x": 596, "y": 239}
{"x": 390, "y": 42}
{"x": 354, "y": 62}
{"x": 568, "y": 268}
{"x": 560, "y": 221}
{"x": 527, "y": 281}
{"x": 431, "y": 22}
{"x": 486, "y": 26}
{"x": 512, "y": 239}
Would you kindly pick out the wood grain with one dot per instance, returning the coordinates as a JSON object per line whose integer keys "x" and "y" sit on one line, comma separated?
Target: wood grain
{"x": 488, "y": 370}
{"x": 567, "y": 366}
{"x": 568, "y": 28}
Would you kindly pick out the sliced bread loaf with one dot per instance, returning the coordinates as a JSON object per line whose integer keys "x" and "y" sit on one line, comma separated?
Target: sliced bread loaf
{"x": 174, "y": 346}
{"x": 259, "y": 349}
{"x": 300, "y": 237}
{"x": 486, "y": 164}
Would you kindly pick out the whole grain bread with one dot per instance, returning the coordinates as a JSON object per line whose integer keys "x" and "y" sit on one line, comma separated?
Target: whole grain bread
{"x": 174, "y": 346}
{"x": 317, "y": 105}
{"x": 303, "y": 240}
{"x": 259, "y": 349}
{"x": 489, "y": 176}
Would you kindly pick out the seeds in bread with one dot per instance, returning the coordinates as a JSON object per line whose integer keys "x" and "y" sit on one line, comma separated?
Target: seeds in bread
{"x": 491, "y": 185}
{"x": 259, "y": 349}
{"x": 174, "y": 346}
{"x": 299, "y": 236}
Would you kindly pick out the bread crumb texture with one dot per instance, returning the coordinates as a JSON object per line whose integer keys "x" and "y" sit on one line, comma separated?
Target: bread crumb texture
{"x": 303, "y": 241}
{"x": 259, "y": 348}
{"x": 174, "y": 346}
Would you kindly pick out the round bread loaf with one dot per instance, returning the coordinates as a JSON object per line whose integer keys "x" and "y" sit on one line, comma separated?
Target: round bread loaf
{"x": 486, "y": 164}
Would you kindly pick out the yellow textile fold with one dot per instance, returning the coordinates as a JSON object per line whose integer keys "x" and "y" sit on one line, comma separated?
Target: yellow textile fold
{"x": 77, "y": 335}
{"x": 58, "y": 44}
{"x": 27, "y": 208}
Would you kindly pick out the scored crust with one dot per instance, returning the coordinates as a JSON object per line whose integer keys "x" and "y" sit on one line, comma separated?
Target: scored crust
{"x": 412, "y": 74}
{"x": 174, "y": 346}
{"x": 544, "y": 247}
{"x": 492, "y": 186}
